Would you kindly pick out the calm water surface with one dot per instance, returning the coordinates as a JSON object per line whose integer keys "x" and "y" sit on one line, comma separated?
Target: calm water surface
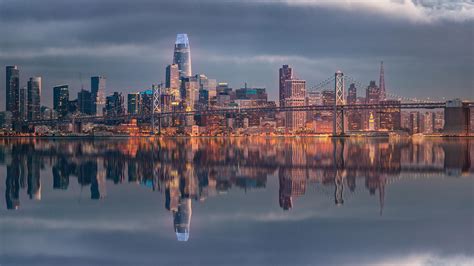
{"x": 239, "y": 201}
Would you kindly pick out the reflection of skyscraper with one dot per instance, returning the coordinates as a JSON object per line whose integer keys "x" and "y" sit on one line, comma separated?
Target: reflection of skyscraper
{"x": 34, "y": 182}
{"x": 12, "y": 192}
{"x": 182, "y": 219}
{"x": 182, "y": 55}
{"x": 292, "y": 184}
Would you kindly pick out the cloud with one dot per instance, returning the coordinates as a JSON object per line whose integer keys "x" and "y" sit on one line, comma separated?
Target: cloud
{"x": 414, "y": 10}
{"x": 426, "y": 260}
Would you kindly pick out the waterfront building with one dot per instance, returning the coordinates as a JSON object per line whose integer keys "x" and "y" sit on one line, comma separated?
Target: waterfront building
{"x": 34, "y": 99}
{"x": 372, "y": 97}
{"x": 295, "y": 92}
{"x": 390, "y": 117}
{"x": 146, "y": 106}
{"x": 61, "y": 100}
{"x": 12, "y": 90}
{"x": 172, "y": 76}
{"x": 23, "y": 103}
{"x": 457, "y": 116}
{"x": 114, "y": 105}
{"x": 98, "y": 92}
{"x": 182, "y": 55}
{"x": 285, "y": 73}
{"x": 190, "y": 92}
{"x": 133, "y": 103}
{"x": 84, "y": 102}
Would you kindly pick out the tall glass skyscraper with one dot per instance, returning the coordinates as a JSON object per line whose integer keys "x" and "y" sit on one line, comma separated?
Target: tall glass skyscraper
{"x": 182, "y": 55}
{"x": 12, "y": 89}
{"x": 98, "y": 84}
{"x": 61, "y": 100}
{"x": 34, "y": 98}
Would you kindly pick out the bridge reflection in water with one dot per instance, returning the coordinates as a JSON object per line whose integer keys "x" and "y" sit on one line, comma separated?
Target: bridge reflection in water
{"x": 186, "y": 169}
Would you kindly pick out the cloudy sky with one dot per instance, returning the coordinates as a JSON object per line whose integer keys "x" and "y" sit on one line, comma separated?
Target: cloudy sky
{"x": 426, "y": 45}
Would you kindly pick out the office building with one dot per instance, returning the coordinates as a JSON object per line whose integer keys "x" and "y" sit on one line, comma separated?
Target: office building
{"x": 172, "y": 76}
{"x": 34, "y": 99}
{"x": 390, "y": 117}
{"x": 84, "y": 102}
{"x": 61, "y": 100}
{"x": 182, "y": 55}
{"x": 133, "y": 103}
{"x": 12, "y": 90}
{"x": 114, "y": 105}
{"x": 285, "y": 73}
{"x": 295, "y": 92}
{"x": 98, "y": 91}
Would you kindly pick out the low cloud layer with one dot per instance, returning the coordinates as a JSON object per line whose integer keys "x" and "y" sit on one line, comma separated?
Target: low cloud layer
{"x": 426, "y": 45}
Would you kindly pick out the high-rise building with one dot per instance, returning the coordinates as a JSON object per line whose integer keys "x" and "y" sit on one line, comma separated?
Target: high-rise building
{"x": 352, "y": 94}
{"x": 295, "y": 93}
{"x": 133, "y": 103}
{"x": 34, "y": 99}
{"x": 12, "y": 90}
{"x": 372, "y": 97}
{"x": 98, "y": 87}
{"x": 84, "y": 102}
{"x": 182, "y": 55}
{"x": 190, "y": 92}
{"x": 172, "y": 76}
{"x": 354, "y": 117}
{"x": 24, "y": 103}
{"x": 286, "y": 73}
{"x": 114, "y": 105}
{"x": 390, "y": 117}
{"x": 61, "y": 100}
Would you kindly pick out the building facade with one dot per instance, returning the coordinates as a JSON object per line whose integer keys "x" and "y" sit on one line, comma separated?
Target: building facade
{"x": 285, "y": 73}
{"x": 12, "y": 90}
{"x": 34, "y": 99}
{"x": 98, "y": 91}
{"x": 182, "y": 55}
{"x": 61, "y": 100}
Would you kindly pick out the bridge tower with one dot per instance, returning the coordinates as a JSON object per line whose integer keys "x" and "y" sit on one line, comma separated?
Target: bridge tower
{"x": 156, "y": 121}
{"x": 338, "y": 117}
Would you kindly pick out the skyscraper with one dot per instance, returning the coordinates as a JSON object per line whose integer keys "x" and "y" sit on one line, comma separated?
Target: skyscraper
{"x": 286, "y": 73}
{"x": 295, "y": 92}
{"x": 12, "y": 89}
{"x": 133, "y": 103}
{"x": 182, "y": 55}
{"x": 34, "y": 98}
{"x": 61, "y": 100}
{"x": 172, "y": 76}
{"x": 84, "y": 102}
{"x": 98, "y": 85}
{"x": 24, "y": 103}
{"x": 114, "y": 104}
{"x": 383, "y": 94}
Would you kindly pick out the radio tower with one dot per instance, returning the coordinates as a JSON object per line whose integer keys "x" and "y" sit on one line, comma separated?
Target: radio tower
{"x": 383, "y": 94}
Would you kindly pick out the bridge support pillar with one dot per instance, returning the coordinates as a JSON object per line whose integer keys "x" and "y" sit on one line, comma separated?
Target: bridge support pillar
{"x": 338, "y": 116}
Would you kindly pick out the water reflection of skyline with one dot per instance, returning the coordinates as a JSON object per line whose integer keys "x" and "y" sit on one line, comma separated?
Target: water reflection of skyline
{"x": 196, "y": 169}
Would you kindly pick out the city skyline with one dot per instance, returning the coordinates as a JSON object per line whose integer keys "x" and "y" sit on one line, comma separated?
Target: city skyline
{"x": 415, "y": 59}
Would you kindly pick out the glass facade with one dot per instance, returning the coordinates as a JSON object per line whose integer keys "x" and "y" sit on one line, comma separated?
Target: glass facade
{"x": 182, "y": 55}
